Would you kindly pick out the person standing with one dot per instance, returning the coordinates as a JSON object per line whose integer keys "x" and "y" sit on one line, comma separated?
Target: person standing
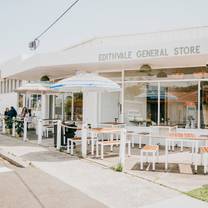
{"x": 6, "y": 112}
{"x": 12, "y": 113}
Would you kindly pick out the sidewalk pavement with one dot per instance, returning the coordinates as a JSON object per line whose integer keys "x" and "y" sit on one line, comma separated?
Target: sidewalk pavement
{"x": 33, "y": 188}
{"x": 98, "y": 182}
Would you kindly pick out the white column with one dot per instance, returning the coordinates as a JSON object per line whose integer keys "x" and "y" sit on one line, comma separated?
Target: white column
{"x": 58, "y": 140}
{"x": 158, "y": 103}
{"x": 122, "y": 95}
{"x": 24, "y": 100}
{"x": 199, "y": 103}
{"x": 122, "y": 149}
{"x": 25, "y": 130}
{"x": 43, "y": 106}
{"x": 9, "y": 90}
{"x": 62, "y": 108}
{"x": 72, "y": 107}
{"x": 53, "y": 110}
{"x": 13, "y": 126}
{"x": 84, "y": 125}
{"x": 40, "y": 131}
{"x": 84, "y": 140}
{"x": 5, "y": 86}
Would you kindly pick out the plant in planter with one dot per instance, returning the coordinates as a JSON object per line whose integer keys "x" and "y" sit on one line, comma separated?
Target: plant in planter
{"x": 8, "y": 124}
{"x": 118, "y": 168}
{"x": 19, "y": 128}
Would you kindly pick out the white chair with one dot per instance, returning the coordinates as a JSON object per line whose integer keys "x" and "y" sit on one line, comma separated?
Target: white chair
{"x": 204, "y": 157}
{"x": 145, "y": 151}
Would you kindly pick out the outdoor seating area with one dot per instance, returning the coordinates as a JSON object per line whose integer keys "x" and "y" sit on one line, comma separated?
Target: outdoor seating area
{"x": 156, "y": 148}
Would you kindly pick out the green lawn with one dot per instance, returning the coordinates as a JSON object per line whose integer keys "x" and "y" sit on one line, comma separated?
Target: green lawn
{"x": 200, "y": 193}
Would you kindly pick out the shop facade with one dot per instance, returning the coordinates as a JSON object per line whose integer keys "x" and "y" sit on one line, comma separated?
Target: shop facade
{"x": 163, "y": 78}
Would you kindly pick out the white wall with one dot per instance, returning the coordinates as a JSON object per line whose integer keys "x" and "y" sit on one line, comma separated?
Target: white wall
{"x": 109, "y": 106}
{"x": 8, "y": 100}
{"x": 90, "y": 106}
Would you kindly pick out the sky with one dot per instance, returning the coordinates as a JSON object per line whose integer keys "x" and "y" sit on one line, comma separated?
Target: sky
{"x": 22, "y": 20}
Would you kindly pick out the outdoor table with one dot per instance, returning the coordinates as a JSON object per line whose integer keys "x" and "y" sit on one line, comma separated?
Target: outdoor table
{"x": 193, "y": 139}
{"x": 96, "y": 131}
{"x": 113, "y": 123}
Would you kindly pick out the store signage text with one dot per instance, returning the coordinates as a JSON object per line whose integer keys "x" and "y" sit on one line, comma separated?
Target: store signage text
{"x": 145, "y": 53}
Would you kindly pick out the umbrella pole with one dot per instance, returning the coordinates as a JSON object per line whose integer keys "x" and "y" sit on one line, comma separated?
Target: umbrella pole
{"x": 62, "y": 108}
{"x": 53, "y": 110}
{"x": 84, "y": 127}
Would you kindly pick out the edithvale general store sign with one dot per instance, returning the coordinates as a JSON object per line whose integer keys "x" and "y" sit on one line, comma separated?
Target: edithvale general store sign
{"x": 149, "y": 53}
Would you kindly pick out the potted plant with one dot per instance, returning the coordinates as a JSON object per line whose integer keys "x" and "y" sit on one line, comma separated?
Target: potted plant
{"x": 19, "y": 128}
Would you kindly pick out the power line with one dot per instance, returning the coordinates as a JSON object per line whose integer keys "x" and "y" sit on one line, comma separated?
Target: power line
{"x": 34, "y": 44}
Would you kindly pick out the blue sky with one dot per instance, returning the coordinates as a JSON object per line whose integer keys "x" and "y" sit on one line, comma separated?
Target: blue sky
{"x": 22, "y": 20}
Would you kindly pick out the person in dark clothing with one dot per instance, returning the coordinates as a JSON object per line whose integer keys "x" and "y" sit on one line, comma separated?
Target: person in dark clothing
{"x": 70, "y": 132}
{"x": 6, "y": 112}
{"x": 12, "y": 113}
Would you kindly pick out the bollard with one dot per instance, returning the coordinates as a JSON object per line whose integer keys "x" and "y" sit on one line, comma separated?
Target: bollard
{"x": 13, "y": 126}
{"x": 84, "y": 141}
{"x": 40, "y": 131}
{"x": 25, "y": 130}
{"x": 58, "y": 140}
{"x": 122, "y": 149}
{"x": 3, "y": 126}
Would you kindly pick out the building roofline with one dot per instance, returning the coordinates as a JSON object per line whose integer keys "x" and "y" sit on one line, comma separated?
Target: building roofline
{"x": 134, "y": 34}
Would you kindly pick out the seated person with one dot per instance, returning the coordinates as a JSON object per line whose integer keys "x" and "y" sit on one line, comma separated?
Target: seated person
{"x": 70, "y": 132}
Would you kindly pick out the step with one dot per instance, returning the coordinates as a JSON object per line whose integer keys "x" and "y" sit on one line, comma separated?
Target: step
{"x": 185, "y": 168}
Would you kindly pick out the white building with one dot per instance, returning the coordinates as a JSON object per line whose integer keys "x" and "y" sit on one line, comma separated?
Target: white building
{"x": 163, "y": 75}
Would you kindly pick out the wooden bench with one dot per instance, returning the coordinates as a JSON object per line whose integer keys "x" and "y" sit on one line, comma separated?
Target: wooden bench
{"x": 204, "y": 157}
{"x": 110, "y": 143}
{"x": 146, "y": 150}
{"x": 72, "y": 141}
{"x": 182, "y": 137}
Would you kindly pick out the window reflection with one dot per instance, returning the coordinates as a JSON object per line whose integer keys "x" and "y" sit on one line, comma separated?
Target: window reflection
{"x": 204, "y": 105}
{"x": 178, "y": 104}
{"x": 141, "y": 103}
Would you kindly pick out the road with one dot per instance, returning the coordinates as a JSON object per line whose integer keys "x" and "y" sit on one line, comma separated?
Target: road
{"x": 32, "y": 188}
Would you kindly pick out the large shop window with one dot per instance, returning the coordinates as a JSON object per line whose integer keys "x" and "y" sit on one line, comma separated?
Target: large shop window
{"x": 204, "y": 104}
{"x": 141, "y": 103}
{"x": 178, "y": 104}
{"x": 68, "y": 108}
{"x": 78, "y": 103}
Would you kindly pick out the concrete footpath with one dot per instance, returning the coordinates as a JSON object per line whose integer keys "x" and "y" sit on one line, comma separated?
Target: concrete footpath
{"x": 97, "y": 182}
{"x": 33, "y": 188}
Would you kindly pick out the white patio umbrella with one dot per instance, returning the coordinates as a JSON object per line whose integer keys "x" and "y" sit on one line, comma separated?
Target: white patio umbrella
{"x": 42, "y": 88}
{"x": 36, "y": 88}
{"x": 86, "y": 82}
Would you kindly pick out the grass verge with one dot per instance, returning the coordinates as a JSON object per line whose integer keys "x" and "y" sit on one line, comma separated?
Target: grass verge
{"x": 199, "y": 193}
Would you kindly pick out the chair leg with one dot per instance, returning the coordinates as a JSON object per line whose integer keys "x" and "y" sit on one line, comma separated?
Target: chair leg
{"x": 129, "y": 147}
{"x": 173, "y": 146}
{"x": 92, "y": 146}
{"x": 205, "y": 163}
{"x": 117, "y": 139}
{"x": 101, "y": 149}
{"x": 141, "y": 160}
{"x": 111, "y": 139}
{"x": 67, "y": 145}
{"x": 181, "y": 146}
{"x": 72, "y": 147}
{"x": 201, "y": 159}
{"x": 140, "y": 142}
{"x": 169, "y": 146}
{"x": 97, "y": 153}
{"x": 153, "y": 160}
{"x": 132, "y": 140}
{"x": 158, "y": 156}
